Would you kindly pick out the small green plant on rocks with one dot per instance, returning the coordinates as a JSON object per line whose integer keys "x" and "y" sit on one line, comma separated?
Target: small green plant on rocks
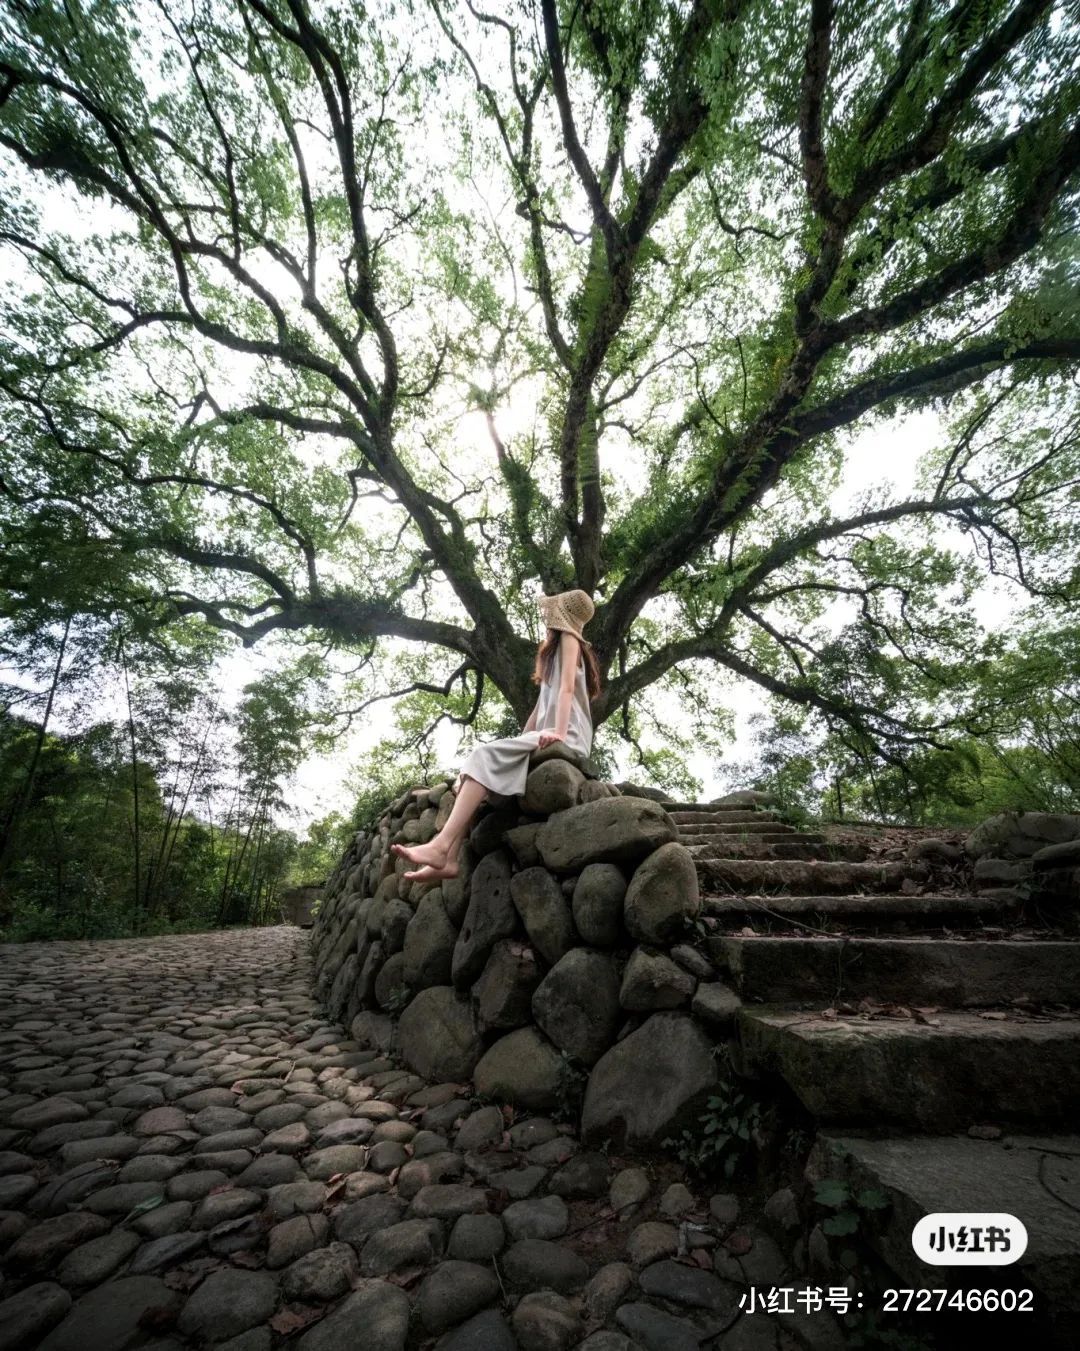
{"x": 570, "y": 1087}
{"x": 848, "y": 1206}
{"x": 725, "y": 1137}
{"x": 797, "y": 1142}
{"x": 398, "y": 1000}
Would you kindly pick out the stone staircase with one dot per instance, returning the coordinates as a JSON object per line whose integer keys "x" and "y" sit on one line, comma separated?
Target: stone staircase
{"x": 933, "y": 1036}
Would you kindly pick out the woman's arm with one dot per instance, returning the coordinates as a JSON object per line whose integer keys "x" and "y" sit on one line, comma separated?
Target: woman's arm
{"x": 570, "y": 649}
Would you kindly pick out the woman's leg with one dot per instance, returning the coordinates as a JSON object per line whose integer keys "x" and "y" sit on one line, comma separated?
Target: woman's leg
{"x": 439, "y": 855}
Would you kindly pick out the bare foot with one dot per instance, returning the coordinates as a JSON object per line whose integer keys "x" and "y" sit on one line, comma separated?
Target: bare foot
{"x": 432, "y": 874}
{"x": 429, "y": 853}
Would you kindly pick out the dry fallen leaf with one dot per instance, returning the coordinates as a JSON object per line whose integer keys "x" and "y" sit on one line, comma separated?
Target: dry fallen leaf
{"x": 596, "y": 1236}
{"x": 250, "y": 1261}
{"x": 407, "y": 1278}
{"x": 189, "y": 1275}
{"x": 294, "y": 1318}
{"x": 997, "y": 1017}
{"x": 179, "y": 1279}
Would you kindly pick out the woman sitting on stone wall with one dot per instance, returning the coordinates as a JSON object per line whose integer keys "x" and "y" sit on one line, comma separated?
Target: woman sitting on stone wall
{"x": 568, "y": 674}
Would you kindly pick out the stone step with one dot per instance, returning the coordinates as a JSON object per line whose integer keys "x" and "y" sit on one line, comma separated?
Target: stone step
{"x": 887, "y": 911}
{"x": 796, "y": 847}
{"x": 747, "y": 828}
{"x": 947, "y": 972}
{"x": 740, "y": 816}
{"x": 1033, "y": 1177}
{"x": 774, "y": 876}
{"x": 711, "y": 808}
{"x": 958, "y": 1070}
{"x": 756, "y": 837}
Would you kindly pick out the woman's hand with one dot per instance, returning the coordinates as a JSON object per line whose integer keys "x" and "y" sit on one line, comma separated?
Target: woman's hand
{"x": 546, "y": 738}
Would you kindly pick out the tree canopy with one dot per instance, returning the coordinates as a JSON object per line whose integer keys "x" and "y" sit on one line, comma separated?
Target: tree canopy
{"x": 265, "y": 255}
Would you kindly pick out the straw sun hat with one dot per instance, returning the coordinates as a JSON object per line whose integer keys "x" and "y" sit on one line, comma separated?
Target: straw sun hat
{"x": 569, "y": 610}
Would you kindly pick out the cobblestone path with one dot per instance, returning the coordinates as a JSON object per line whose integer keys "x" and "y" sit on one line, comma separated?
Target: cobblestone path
{"x": 190, "y": 1155}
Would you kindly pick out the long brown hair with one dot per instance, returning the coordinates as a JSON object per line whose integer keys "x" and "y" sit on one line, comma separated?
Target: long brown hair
{"x": 545, "y": 659}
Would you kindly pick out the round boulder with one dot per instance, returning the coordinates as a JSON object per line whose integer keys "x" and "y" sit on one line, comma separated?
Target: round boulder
{"x": 598, "y": 904}
{"x": 437, "y": 1035}
{"x": 396, "y": 919}
{"x": 651, "y": 1084}
{"x": 544, "y": 912}
{"x": 559, "y": 750}
{"x": 577, "y": 1004}
{"x": 502, "y": 997}
{"x": 643, "y": 790}
{"x": 1021, "y": 834}
{"x": 390, "y": 981}
{"x": 551, "y": 787}
{"x": 490, "y": 916}
{"x": 429, "y": 943}
{"x": 611, "y": 830}
{"x": 521, "y": 1068}
{"x": 662, "y": 894}
{"x": 653, "y": 981}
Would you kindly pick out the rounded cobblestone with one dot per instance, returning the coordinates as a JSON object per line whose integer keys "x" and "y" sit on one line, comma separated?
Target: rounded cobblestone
{"x": 190, "y": 1150}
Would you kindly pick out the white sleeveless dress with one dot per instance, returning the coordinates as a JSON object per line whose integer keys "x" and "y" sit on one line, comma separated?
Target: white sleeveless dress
{"x": 503, "y": 766}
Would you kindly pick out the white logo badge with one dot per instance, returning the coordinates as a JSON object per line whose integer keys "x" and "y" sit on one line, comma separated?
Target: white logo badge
{"x": 969, "y": 1239}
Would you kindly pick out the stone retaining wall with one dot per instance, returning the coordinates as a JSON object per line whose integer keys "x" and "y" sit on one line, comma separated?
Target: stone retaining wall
{"x": 1035, "y": 853}
{"x": 562, "y": 965}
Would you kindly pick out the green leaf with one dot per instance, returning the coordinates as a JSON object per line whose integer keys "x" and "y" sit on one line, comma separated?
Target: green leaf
{"x": 832, "y": 1192}
{"x": 151, "y": 1203}
{"x": 845, "y": 1223}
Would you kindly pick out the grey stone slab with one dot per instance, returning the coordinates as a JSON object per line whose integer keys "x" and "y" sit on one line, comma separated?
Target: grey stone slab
{"x": 1036, "y": 1178}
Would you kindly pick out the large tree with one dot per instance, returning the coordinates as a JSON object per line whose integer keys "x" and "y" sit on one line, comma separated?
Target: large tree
{"x": 267, "y": 253}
